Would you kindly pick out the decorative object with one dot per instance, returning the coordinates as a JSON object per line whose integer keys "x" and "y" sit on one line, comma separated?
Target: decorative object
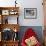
{"x": 30, "y": 38}
{"x": 5, "y": 12}
{"x": 15, "y": 3}
{"x": 31, "y": 41}
{"x": 15, "y": 30}
{"x": 30, "y": 13}
{"x": 15, "y": 37}
{"x": 6, "y": 21}
{"x": 7, "y": 34}
{"x": 13, "y": 12}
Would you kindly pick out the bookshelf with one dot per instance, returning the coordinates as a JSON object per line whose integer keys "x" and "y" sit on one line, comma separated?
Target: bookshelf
{"x": 9, "y": 21}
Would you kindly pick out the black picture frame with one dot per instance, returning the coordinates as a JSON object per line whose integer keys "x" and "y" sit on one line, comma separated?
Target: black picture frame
{"x": 30, "y": 13}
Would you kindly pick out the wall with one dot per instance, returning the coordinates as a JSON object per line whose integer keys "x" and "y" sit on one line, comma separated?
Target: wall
{"x": 28, "y": 22}
{"x": 27, "y": 4}
{"x": 31, "y": 4}
{"x": 37, "y": 29}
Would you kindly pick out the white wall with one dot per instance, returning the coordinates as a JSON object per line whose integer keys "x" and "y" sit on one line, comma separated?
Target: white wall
{"x": 27, "y": 4}
{"x": 31, "y": 4}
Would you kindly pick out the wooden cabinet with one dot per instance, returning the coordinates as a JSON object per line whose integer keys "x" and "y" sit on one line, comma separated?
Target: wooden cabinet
{"x": 6, "y": 12}
{"x": 10, "y": 43}
{"x": 44, "y": 7}
{"x": 44, "y": 36}
{"x": 9, "y": 23}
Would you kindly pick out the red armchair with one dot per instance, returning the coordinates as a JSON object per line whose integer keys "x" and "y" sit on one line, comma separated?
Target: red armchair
{"x": 28, "y": 34}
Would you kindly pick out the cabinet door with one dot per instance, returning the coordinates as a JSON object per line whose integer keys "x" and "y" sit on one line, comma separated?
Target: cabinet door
{"x": 44, "y": 6}
{"x": 10, "y": 44}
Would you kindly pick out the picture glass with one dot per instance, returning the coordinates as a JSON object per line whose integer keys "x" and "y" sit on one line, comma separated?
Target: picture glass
{"x": 5, "y": 12}
{"x": 30, "y": 13}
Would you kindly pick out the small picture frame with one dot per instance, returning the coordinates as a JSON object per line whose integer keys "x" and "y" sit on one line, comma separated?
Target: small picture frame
{"x": 5, "y": 12}
{"x": 30, "y": 13}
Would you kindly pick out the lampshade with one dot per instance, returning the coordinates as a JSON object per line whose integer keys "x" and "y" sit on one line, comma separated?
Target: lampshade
{"x": 15, "y": 30}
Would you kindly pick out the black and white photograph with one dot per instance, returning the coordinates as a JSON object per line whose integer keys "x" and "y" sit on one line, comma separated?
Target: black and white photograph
{"x": 30, "y": 13}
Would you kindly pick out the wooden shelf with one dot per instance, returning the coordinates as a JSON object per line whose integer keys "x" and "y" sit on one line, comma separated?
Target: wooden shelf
{"x": 11, "y": 26}
{"x": 9, "y": 43}
{"x": 4, "y": 13}
{"x": 9, "y": 8}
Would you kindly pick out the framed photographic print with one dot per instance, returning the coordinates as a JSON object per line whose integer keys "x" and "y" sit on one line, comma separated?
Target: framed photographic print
{"x": 5, "y": 12}
{"x": 30, "y": 13}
